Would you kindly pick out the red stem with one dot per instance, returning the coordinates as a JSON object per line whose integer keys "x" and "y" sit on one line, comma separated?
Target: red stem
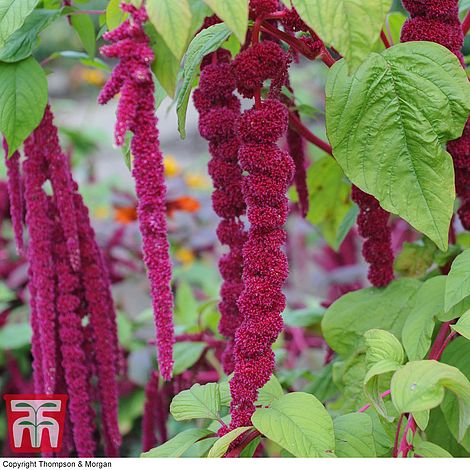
{"x": 397, "y": 437}
{"x": 436, "y": 348}
{"x": 296, "y": 124}
{"x": 466, "y": 24}
{"x": 406, "y": 446}
{"x": 384, "y": 39}
{"x": 366, "y": 407}
{"x": 325, "y": 55}
{"x": 248, "y": 437}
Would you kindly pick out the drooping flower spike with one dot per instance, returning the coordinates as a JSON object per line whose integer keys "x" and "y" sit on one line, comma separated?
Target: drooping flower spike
{"x": 132, "y": 78}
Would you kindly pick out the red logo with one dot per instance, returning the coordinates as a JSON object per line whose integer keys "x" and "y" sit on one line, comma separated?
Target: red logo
{"x": 35, "y": 422}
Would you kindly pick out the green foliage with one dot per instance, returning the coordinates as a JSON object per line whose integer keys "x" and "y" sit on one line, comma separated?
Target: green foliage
{"x": 172, "y": 20}
{"x": 23, "y": 98}
{"x": 85, "y": 29}
{"x": 462, "y": 327}
{"x": 329, "y": 195}
{"x": 12, "y": 16}
{"x": 14, "y": 336}
{"x": 221, "y": 445}
{"x": 345, "y": 321}
{"x": 299, "y": 423}
{"x": 114, "y": 15}
{"x": 24, "y": 40}
{"x": 234, "y": 13}
{"x": 186, "y": 354}
{"x": 415, "y": 258}
{"x": 354, "y": 436}
{"x": 402, "y": 162}
{"x": 352, "y": 27}
{"x": 178, "y": 445}
{"x": 207, "y": 41}
{"x": 458, "y": 282}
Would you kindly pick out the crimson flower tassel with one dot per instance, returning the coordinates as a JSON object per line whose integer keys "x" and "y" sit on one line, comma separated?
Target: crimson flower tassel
{"x": 132, "y": 77}
{"x": 438, "y": 21}
{"x": 219, "y": 109}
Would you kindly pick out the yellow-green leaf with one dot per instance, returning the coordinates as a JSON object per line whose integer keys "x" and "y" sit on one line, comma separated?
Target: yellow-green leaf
{"x": 234, "y": 13}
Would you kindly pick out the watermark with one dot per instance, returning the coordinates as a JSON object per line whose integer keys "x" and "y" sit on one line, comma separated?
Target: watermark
{"x": 35, "y": 422}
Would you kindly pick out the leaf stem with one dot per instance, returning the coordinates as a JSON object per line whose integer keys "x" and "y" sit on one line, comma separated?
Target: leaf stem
{"x": 366, "y": 407}
{"x": 397, "y": 436}
{"x": 296, "y": 124}
{"x": 466, "y": 24}
{"x": 247, "y": 438}
{"x": 384, "y": 39}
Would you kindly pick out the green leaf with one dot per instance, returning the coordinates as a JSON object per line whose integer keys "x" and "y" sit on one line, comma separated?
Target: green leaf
{"x": 172, "y": 20}
{"x": 464, "y": 5}
{"x": 303, "y": 317}
{"x": 23, "y": 98}
{"x": 200, "y": 448}
{"x": 462, "y": 327}
{"x": 456, "y": 354}
{"x": 234, "y": 13}
{"x": 200, "y": 401}
{"x": 207, "y": 41}
{"x": 199, "y": 11}
{"x": 347, "y": 224}
{"x": 114, "y": 15}
{"x": 26, "y": 423}
{"x": 14, "y": 336}
{"x": 25, "y": 39}
{"x": 415, "y": 258}
{"x": 354, "y": 436}
{"x": 346, "y": 321}
{"x": 186, "y": 354}
{"x": 422, "y": 419}
{"x": 270, "y": 392}
{"x": 329, "y": 195}
{"x": 382, "y": 345}
{"x": 352, "y": 27}
{"x": 185, "y": 305}
{"x": 458, "y": 281}
{"x": 419, "y": 326}
{"x": 393, "y": 25}
{"x": 299, "y": 423}
{"x": 420, "y": 385}
{"x": 221, "y": 446}
{"x": 178, "y": 445}
{"x": 85, "y": 29}
{"x": 371, "y": 384}
{"x": 430, "y": 450}
{"x": 409, "y": 101}
{"x": 12, "y": 15}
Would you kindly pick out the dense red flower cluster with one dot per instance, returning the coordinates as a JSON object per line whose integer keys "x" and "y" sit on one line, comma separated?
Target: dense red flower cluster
{"x": 263, "y": 61}
{"x": 67, "y": 353}
{"x": 132, "y": 78}
{"x": 263, "y": 7}
{"x": 219, "y": 110}
{"x": 270, "y": 171}
{"x": 292, "y": 21}
{"x": 438, "y": 21}
{"x": 372, "y": 223}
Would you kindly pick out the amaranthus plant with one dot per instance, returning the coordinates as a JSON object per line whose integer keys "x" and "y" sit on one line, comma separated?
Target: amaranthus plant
{"x": 309, "y": 295}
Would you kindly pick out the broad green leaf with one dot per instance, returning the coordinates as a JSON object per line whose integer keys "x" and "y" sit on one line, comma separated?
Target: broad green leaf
{"x": 301, "y": 318}
{"x": 464, "y": 5}
{"x": 422, "y": 419}
{"x": 207, "y": 41}
{"x": 354, "y": 436}
{"x": 462, "y": 327}
{"x": 186, "y": 354}
{"x": 199, "y": 11}
{"x": 458, "y": 280}
{"x": 420, "y": 385}
{"x": 456, "y": 354}
{"x": 172, "y": 20}
{"x": 24, "y": 40}
{"x": 200, "y": 448}
{"x": 409, "y": 101}
{"x": 23, "y": 98}
{"x": 270, "y": 392}
{"x": 371, "y": 384}
{"x": 352, "y": 27}
{"x": 85, "y": 29}
{"x": 429, "y": 450}
{"x": 12, "y": 15}
{"x": 114, "y": 15}
{"x": 14, "y": 336}
{"x": 165, "y": 66}
{"x": 83, "y": 58}
{"x": 234, "y": 13}
{"x": 329, "y": 195}
{"x": 299, "y": 423}
{"x": 415, "y": 258}
{"x": 178, "y": 445}
{"x": 419, "y": 326}
{"x": 382, "y": 345}
{"x": 346, "y": 321}
{"x": 200, "y": 401}
{"x": 221, "y": 445}
{"x": 185, "y": 305}
{"x": 225, "y": 397}
{"x": 393, "y": 26}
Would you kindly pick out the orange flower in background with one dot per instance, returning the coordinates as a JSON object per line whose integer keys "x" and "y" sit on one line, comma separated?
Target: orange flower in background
{"x": 128, "y": 214}
{"x": 184, "y": 203}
